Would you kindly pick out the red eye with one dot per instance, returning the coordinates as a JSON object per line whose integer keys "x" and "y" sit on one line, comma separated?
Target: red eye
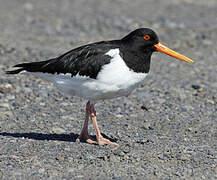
{"x": 146, "y": 37}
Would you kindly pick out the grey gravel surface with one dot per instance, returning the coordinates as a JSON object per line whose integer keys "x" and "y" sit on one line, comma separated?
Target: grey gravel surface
{"x": 167, "y": 128}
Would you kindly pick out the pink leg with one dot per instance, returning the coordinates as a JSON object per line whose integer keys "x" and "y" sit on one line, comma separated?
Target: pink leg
{"x": 84, "y": 132}
{"x": 100, "y": 139}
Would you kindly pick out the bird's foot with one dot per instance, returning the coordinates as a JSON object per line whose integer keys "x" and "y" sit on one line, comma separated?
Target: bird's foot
{"x": 102, "y": 141}
{"x": 86, "y": 138}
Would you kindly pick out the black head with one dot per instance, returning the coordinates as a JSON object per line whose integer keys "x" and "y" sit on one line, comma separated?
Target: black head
{"x": 143, "y": 39}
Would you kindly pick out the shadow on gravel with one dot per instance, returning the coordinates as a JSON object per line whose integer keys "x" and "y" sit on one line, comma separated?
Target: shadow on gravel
{"x": 39, "y": 136}
{"x": 50, "y": 137}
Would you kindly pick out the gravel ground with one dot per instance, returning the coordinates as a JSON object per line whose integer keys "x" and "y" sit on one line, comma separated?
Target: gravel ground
{"x": 167, "y": 128}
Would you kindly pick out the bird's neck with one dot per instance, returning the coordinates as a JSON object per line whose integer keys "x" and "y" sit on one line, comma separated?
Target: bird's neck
{"x": 138, "y": 61}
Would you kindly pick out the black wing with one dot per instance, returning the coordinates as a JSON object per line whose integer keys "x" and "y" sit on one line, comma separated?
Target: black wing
{"x": 85, "y": 60}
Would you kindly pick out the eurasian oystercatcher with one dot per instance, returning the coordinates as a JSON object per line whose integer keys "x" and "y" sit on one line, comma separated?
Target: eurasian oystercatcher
{"x": 101, "y": 70}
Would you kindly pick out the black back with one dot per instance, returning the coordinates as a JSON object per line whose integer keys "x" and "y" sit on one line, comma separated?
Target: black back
{"x": 88, "y": 60}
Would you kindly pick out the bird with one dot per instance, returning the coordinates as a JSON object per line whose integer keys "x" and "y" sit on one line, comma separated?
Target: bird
{"x": 101, "y": 70}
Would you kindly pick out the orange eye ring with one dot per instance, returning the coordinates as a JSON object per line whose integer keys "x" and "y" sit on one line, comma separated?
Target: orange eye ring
{"x": 146, "y": 37}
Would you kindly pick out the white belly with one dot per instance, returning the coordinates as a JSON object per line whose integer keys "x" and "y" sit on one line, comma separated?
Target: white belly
{"x": 91, "y": 89}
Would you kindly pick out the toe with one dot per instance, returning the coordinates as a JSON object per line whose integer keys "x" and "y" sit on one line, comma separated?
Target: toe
{"x": 86, "y": 138}
{"x": 103, "y": 141}
{"x": 91, "y": 141}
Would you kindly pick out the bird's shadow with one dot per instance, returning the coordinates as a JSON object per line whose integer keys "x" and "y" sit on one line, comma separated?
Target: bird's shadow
{"x": 50, "y": 137}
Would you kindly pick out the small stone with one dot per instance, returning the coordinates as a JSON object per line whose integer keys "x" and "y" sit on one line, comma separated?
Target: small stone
{"x": 58, "y": 130}
{"x": 207, "y": 42}
{"x": 161, "y": 101}
{"x": 27, "y": 90}
{"x": 28, "y": 6}
{"x": 188, "y": 108}
{"x": 7, "y": 114}
{"x": 42, "y": 104}
{"x": 184, "y": 157}
{"x": 5, "y": 105}
{"x": 210, "y": 101}
{"x": 143, "y": 96}
{"x": 60, "y": 158}
{"x": 42, "y": 170}
{"x": 65, "y": 104}
{"x": 7, "y": 88}
{"x": 90, "y": 157}
{"x": 119, "y": 115}
{"x": 126, "y": 150}
{"x": 119, "y": 153}
{"x": 10, "y": 97}
{"x": 115, "y": 158}
{"x": 148, "y": 126}
{"x": 118, "y": 110}
{"x": 195, "y": 86}
{"x": 161, "y": 156}
{"x": 143, "y": 107}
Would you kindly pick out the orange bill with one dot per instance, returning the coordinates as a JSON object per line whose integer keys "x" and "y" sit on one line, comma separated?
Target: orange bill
{"x": 161, "y": 48}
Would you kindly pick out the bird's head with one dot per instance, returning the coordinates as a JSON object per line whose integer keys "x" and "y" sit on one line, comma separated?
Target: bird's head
{"x": 147, "y": 41}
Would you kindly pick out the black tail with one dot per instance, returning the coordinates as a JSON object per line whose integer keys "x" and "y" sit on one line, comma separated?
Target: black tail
{"x": 41, "y": 66}
{"x": 14, "y": 71}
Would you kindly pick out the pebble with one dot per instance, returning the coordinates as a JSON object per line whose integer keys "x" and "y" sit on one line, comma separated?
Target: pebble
{"x": 7, "y": 88}
{"x": 161, "y": 101}
{"x": 196, "y": 86}
{"x": 28, "y": 6}
{"x": 114, "y": 158}
{"x": 5, "y": 105}
{"x": 207, "y": 42}
{"x": 210, "y": 101}
{"x": 42, "y": 170}
{"x": 58, "y": 130}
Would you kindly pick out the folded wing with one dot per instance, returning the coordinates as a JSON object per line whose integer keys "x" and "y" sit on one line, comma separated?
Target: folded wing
{"x": 84, "y": 61}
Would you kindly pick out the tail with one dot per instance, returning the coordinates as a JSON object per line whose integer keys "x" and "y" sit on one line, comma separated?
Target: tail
{"x": 14, "y": 71}
{"x": 41, "y": 66}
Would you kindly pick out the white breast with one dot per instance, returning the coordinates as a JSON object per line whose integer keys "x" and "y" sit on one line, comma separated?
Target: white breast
{"x": 115, "y": 79}
{"x": 117, "y": 73}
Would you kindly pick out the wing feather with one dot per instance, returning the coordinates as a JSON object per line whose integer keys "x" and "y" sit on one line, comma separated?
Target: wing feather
{"x": 85, "y": 60}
